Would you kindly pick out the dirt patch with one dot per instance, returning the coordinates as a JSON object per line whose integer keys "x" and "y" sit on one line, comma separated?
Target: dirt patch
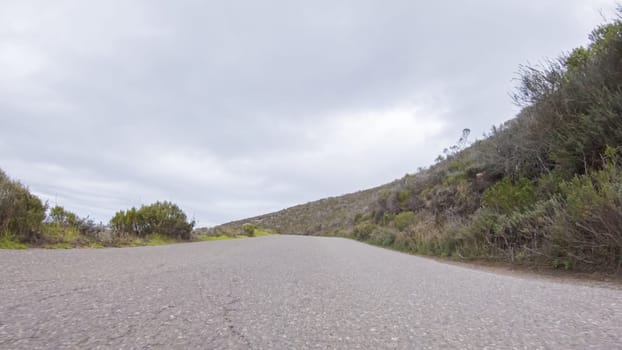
{"x": 594, "y": 279}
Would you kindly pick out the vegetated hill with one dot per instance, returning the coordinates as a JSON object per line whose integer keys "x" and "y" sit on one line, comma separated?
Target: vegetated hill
{"x": 544, "y": 188}
{"x": 323, "y": 217}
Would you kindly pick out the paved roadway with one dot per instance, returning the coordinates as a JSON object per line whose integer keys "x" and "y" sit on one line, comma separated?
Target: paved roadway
{"x": 288, "y": 292}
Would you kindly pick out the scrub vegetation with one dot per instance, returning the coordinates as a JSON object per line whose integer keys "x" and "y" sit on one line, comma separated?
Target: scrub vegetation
{"x": 25, "y": 221}
{"x": 544, "y": 188}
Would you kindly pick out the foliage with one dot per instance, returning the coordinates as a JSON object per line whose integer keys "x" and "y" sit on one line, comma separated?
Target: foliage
{"x": 506, "y": 196}
{"x": 249, "y": 229}
{"x": 586, "y": 228}
{"x": 23, "y": 222}
{"x": 215, "y": 238}
{"x": 21, "y": 213}
{"x": 158, "y": 239}
{"x": 384, "y": 236}
{"x": 9, "y": 241}
{"x": 163, "y": 218}
{"x": 63, "y": 217}
{"x": 262, "y": 233}
{"x": 52, "y": 233}
{"x": 403, "y": 220}
{"x": 363, "y": 230}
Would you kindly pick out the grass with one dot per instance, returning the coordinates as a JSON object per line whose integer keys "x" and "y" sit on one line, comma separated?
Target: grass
{"x": 157, "y": 239}
{"x": 258, "y": 233}
{"x": 8, "y": 241}
{"x": 96, "y": 245}
{"x": 204, "y": 238}
{"x": 61, "y": 245}
{"x": 56, "y": 234}
{"x": 58, "y": 237}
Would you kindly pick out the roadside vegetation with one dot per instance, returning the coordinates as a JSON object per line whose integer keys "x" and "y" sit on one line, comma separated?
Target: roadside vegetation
{"x": 26, "y": 221}
{"x": 241, "y": 231}
{"x": 543, "y": 189}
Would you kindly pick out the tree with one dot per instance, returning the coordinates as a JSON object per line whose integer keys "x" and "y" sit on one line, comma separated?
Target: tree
{"x": 463, "y": 143}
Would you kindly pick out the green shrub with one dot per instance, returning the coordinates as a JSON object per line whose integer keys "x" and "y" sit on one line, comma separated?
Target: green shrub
{"x": 506, "y": 196}
{"x": 587, "y": 228}
{"x": 9, "y": 241}
{"x": 52, "y": 232}
{"x": 158, "y": 239}
{"x": 63, "y": 217}
{"x": 21, "y": 213}
{"x": 403, "y": 197}
{"x": 515, "y": 236}
{"x": 363, "y": 230}
{"x": 163, "y": 218}
{"x": 249, "y": 229}
{"x": 403, "y": 220}
{"x": 548, "y": 186}
{"x": 383, "y": 236}
{"x": 577, "y": 228}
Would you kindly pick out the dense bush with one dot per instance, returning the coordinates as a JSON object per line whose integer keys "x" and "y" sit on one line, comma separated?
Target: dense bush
{"x": 506, "y": 196}
{"x": 249, "y": 229}
{"x": 587, "y": 227}
{"x": 363, "y": 230}
{"x": 403, "y": 220}
{"x": 23, "y": 221}
{"x": 61, "y": 216}
{"x": 164, "y": 218}
{"x": 63, "y": 226}
{"x": 21, "y": 213}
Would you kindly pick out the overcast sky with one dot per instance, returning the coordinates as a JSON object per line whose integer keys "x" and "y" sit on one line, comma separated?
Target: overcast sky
{"x": 237, "y": 108}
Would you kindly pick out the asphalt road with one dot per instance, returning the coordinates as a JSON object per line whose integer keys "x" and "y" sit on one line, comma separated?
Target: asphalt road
{"x": 288, "y": 292}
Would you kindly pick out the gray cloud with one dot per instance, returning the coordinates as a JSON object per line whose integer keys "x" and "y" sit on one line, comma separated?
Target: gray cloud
{"x": 236, "y": 108}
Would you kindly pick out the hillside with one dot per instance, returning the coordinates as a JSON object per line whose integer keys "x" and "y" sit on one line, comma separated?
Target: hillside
{"x": 323, "y": 217}
{"x": 544, "y": 188}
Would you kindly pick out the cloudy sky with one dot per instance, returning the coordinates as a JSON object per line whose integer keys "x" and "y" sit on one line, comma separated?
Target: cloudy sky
{"x": 237, "y": 108}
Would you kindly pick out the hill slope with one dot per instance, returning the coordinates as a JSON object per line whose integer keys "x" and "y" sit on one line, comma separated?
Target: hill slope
{"x": 322, "y": 217}
{"x": 543, "y": 188}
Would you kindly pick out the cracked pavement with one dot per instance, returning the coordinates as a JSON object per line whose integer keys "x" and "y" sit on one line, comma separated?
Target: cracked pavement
{"x": 289, "y": 292}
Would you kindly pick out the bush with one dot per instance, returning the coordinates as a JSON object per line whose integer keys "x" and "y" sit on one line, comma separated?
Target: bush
{"x": 249, "y": 229}
{"x": 163, "y": 218}
{"x": 587, "y": 228}
{"x": 577, "y": 101}
{"x": 577, "y": 228}
{"x": 403, "y": 220}
{"x": 363, "y": 230}
{"x": 63, "y": 217}
{"x": 506, "y": 196}
{"x": 383, "y": 236}
{"x": 514, "y": 236}
{"x": 21, "y": 213}
{"x": 54, "y": 233}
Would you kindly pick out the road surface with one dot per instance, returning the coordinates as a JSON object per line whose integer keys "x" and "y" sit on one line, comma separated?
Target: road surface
{"x": 288, "y": 292}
